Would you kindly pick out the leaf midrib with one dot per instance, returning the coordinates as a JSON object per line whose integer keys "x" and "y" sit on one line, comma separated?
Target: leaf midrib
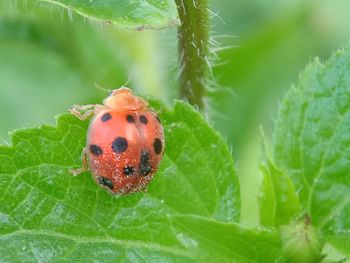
{"x": 111, "y": 240}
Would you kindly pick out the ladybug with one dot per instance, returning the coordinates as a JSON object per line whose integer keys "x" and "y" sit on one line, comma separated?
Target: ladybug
{"x": 125, "y": 142}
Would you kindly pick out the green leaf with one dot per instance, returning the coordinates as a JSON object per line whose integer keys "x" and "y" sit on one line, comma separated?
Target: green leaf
{"x": 48, "y": 215}
{"x": 341, "y": 242}
{"x": 127, "y": 14}
{"x": 222, "y": 242}
{"x": 313, "y": 140}
{"x": 278, "y": 202}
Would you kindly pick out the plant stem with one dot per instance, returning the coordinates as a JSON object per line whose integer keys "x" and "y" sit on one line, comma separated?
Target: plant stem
{"x": 193, "y": 37}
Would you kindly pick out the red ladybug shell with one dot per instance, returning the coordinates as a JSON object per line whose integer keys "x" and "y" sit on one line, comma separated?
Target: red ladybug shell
{"x": 125, "y": 143}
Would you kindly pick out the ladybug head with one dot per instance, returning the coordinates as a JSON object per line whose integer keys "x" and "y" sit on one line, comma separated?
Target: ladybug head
{"x": 124, "y": 99}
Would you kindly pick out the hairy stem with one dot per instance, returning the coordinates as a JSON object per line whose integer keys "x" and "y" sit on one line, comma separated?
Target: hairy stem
{"x": 193, "y": 37}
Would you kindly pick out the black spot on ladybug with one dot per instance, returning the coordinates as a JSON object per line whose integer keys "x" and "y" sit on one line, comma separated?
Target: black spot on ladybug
{"x": 129, "y": 170}
{"x": 105, "y": 181}
{"x": 96, "y": 150}
{"x": 130, "y": 118}
{"x": 119, "y": 145}
{"x": 145, "y": 166}
{"x": 143, "y": 119}
{"x": 106, "y": 117}
{"x": 157, "y": 146}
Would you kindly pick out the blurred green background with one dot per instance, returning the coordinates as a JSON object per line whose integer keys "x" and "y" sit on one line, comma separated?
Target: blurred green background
{"x": 50, "y": 60}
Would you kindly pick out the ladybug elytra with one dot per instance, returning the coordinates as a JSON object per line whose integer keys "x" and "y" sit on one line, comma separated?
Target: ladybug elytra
{"x": 125, "y": 142}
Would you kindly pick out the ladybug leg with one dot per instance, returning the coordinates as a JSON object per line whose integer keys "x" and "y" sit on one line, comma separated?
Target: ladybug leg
{"x": 76, "y": 110}
{"x": 85, "y": 167}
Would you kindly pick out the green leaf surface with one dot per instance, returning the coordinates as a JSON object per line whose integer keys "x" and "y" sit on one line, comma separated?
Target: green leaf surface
{"x": 137, "y": 14}
{"x": 313, "y": 140}
{"x": 340, "y": 241}
{"x": 278, "y": 202}
{"x": 47, "y": 215}
{"x": 229, "y": 241}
